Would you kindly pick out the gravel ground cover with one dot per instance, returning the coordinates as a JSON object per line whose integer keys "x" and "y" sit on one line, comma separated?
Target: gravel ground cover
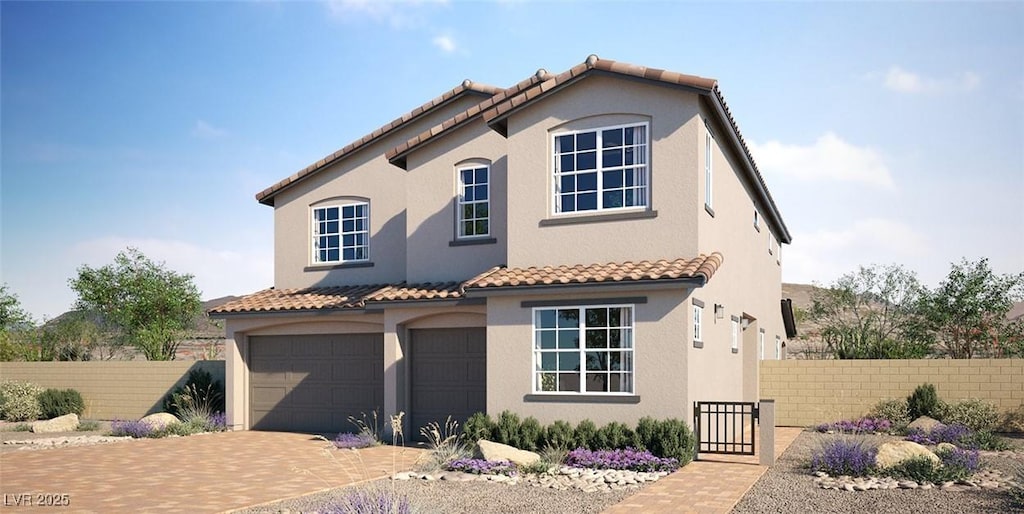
{"x": 442, "y": 496}
{"x": 789, "y": 487}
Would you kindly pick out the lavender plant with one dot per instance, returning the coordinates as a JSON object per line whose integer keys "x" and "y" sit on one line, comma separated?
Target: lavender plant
{"x": 136, "y": 429}
{"x": 371, "y": 500}
{"x": 959, "y": 463}
{"x": 483, "y": 467}
{"x": 953, "y": 434}
{"x": 627, "y": 459}
{"x": 844, "y": 457}
{"x": 350, "y": 441}
{"x": 865, "y": 425}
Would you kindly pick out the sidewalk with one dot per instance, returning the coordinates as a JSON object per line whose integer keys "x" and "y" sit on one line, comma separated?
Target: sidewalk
{"x": 712, "y": 485}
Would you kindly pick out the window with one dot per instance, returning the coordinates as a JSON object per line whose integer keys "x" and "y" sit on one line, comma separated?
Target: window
{"x": 474, "y": 201}
{"x": 602, "y": 364}
{"x": 698, "y": 314}
{"x": 735, "y": 334}
{"x": 601, "y": 169}
{"x": 709, "y": 145}
{"x": 341, "y": 233}
{"x": 757, "y": 221}
{"x": 760, "y": 342}
{"x": 778, "y": 348}
{"x": 771, "y": 243}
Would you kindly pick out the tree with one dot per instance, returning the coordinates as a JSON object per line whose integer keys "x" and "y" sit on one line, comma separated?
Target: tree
{"x": 966, "y": 314}
{"x": 870, "y": 314}
{"x": 12, "y": 315}
{"x": 150, "y": 305}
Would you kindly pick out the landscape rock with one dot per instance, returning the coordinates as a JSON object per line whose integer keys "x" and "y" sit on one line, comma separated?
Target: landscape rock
{"x": 159, "y": 420}
{"x": 893, "y": 453}
{"x": 925, "y": 424}
{"x": 65, "y": 423}
{"x": 497, "y": 451}
{"x": 945, "y": 447}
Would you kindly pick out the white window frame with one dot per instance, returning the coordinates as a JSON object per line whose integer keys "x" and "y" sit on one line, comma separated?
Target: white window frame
{"x": 771, "y": 243}
{"x": 642, "y": 180}
{"x": 757, "y": 220}
{"x": 537, "y": 352}
{"x": 778, "y": 348}
{"x": 698, "y": 322}
{"x": 735, "y": 334}
{"x": 709, "y": 171}
{"x": 461, "y": 201}
{"x": 341, "y": 233}
{"x": 760, "y": 342}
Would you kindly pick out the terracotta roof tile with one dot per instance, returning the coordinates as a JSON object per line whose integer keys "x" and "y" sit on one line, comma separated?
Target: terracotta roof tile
{"x": 313, "y": 298}
{"x": 703, "y": 266}
{"x": 266, "y": 196}
{"x": 429, "y": 291}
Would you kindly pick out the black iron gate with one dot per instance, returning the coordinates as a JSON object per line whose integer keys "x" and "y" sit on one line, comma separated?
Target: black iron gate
{"x": 725, "y": 427}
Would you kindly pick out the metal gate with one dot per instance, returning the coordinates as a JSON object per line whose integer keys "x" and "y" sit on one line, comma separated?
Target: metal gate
{"x": 725, "y": 427}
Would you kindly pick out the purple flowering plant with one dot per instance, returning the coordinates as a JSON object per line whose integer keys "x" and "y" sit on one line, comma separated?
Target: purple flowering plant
{"x": 857, "y": 426}
{"x": 371, "y": 501}
{"x": 483, "y": 467}
{"x": 961, "y": 461}
{"x": 136, "y": 429}
{"x": 953, "y": 434}
{"x": 219, "y": 421}
{"x": 629, "y": 459}
{"x": 347, "y": 440}
{"x": 844, "y": 457}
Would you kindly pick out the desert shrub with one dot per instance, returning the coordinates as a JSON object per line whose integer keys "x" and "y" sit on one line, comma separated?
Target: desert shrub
{"x": 924, "y": 401}
{"x": 20, "y": 427}
{"x": 952, "y": 434}
{"x": 371, "y": 499}
{"x": 88, "y": 426}
{"x": 974, "y": 414}
{"x": 531, "y": 434}
{"x": 1017, "y": 490}
{"x": 959, "y": 463}
{"x": 19, "y": 401}
{"x": 483, "y": 467}
{"x": 624, "y": 459}
{"x": 507, "y": 430}
{"x": 200, "y": 391}
{"x": 857, "y": 426}
{"x": 559, "y": 435}
{"x": 1013, "y": 420}
{"x": 674, "y": 439}
{"x": 646, "y": 431}
{"x": 894, "y": 410}
{"x": 844, "y": 457}
{"x": 445, "y": 443}
{"x": 136, "y": 429}
{"x": 918, "y": 469}
{"x": 586, "y": 435}
{"x": 984, "y": 440}
{"x": 553, "y": 455}
{"x": 347, "y": 440}
{"x": 479, "y": 426}
{"x": 614, "y": 436}
{"x": 58, "y": 402}
{"x": 368, "y": 425}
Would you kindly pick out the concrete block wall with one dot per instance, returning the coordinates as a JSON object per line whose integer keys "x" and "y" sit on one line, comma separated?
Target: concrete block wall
{"x": 808, "y": 392}
{"x": 112, "y": 389}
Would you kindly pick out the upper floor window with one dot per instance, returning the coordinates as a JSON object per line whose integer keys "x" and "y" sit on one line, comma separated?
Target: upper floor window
{"x": 698, "y": 315}
{"x": 341, "y": 233}
{"x": 735, "y": 334}
{"x": 583, "y": 349}
{"x": 757, "y": 221}
{"x": 760, "y": 342}
{"x": 474, "y": 201}
{"x": 602, "y": 169}
{"x": 778, "y": 348}
{"x": 709, "y": 145}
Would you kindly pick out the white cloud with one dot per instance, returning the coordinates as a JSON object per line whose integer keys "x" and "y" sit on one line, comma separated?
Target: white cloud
{"x": 204, "y": 130}
{"x": 824, "y": 255}
{"x": 829, "y": 158}
{"x": 445, "y": 43}
{"x": 904, "y": 81}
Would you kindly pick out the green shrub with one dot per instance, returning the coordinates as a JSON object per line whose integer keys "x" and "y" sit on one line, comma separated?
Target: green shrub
{"x": 894, "y": 410}
{"x": 586, "y": 435}
{"x": 88, "y": 426}
{"x": 614, "y": 436}
{"x": 646, "y": 431}
{"x": 1013, "y": 421}
{"x": 507, "y": 431}
{"x": 531, "y": 435}
{"x": 924, "y": 401}
{"x": 984, "y": 440}
{"x": 674, "y": 439}
{"x": 479, "y": 426}
{"x": 918, "y": 469}
{"x": 19, "y": 401}
{"x": 58, "y": 402}
{"x": 200, "y": 391}
{"x": 974, "y": 414}
{"x": 559, "y": 435}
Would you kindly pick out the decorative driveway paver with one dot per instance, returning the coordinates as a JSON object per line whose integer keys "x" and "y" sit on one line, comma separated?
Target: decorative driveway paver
{"x": 200, "y": 473}
{"x": 712, "y": 485}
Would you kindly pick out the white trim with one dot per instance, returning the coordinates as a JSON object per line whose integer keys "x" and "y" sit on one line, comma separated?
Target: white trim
{"x": 642, "y": 181}
{"x": 735, "y": 335}
{"x": 460, "y": 200}
{"x": 778, "y": 348}
{"x": 698, "y": 323}
{"x": 534, "y": 351}
{"x": 760, "y": 342}
{"x": 341, "y": 232}
{"x": 709, "y": 171}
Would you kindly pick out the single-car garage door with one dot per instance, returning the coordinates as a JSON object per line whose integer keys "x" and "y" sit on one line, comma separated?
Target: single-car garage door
{"x": 313, "y": 383}
{"x": 448, "y": 375}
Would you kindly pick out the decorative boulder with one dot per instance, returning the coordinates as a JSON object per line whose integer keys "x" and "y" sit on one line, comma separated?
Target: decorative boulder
{"x": 891, "y": 454}
{"x": 945, "y": 447}
{"x": 925, "y": 424}
{"x": 497, "y": 451}
{"x": 159, "y": 420}
{"x": 65, "y": 423}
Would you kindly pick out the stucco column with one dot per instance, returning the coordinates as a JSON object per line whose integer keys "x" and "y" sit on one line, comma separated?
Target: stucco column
{"x": 236, "y": 382}
{"x": 766, "y": 426}
{"x": 392, "y": 356}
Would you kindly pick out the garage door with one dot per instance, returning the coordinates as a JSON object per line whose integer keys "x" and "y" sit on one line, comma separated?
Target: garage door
{"x": 448, "y": 375}
{"x": 313, "y": 383}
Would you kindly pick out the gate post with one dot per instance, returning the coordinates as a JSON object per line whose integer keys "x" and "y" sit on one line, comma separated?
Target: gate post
{"x": 766, "y": 426}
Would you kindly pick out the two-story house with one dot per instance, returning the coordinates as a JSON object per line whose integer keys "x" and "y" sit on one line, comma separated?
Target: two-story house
{"x": 593, "y": 244}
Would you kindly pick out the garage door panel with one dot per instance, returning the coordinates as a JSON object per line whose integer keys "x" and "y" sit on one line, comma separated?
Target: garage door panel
{"x": 448, "y": 375}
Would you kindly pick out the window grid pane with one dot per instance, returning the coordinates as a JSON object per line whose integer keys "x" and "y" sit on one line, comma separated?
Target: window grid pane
{"x": 341, "y": 234}
{"x": 613, "y": 178}
{"x": 474, "y": 202}
{"x": 583, "y": 350}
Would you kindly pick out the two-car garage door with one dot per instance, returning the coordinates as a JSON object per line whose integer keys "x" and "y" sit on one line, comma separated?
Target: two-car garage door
{"x": 313, "y": 383}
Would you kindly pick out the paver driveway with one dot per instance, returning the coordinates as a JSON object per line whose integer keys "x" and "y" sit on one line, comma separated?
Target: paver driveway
{"x": 201, "y": 473}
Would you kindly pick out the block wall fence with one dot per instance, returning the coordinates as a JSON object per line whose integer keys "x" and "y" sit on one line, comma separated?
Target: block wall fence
{"x": 809, "y": 392}
{"x": 112, "y": 389}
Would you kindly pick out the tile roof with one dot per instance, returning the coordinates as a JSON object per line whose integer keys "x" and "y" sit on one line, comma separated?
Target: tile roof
{"x": 267, "y": 195}
{"x": 357, "y": 297}
{"x": 701, "y": 267}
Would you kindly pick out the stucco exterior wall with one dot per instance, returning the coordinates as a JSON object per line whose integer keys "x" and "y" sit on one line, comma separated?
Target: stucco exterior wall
{"x": 365, "y": 174}
{"x": 660, "y": 361}
{"x": 432, "y": 188}
{"x": 597, "y": 102}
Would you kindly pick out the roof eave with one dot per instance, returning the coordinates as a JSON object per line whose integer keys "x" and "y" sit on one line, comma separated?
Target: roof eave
{"x": 675, "y": 283}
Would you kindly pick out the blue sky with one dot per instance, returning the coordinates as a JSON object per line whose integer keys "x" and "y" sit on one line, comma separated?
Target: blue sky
{"x": 887, "y": 132}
